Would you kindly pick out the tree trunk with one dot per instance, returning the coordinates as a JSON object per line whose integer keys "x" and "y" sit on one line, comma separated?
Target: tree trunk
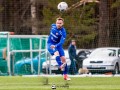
{"x": 118, "y": 27}
{"x": 104, "y": 24}
{"x": 113, "y": 25}
{"x": 1, "y": 9}
{"x": 33, "y": 16}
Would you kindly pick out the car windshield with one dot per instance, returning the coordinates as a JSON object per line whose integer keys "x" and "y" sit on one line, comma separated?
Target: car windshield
{"x": 103, "y": 52}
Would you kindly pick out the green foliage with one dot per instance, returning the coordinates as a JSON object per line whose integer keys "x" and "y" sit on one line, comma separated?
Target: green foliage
{"x": 79, "y": 22}
{"x": 1, "y": 8}
{"x": 116, "y": 4}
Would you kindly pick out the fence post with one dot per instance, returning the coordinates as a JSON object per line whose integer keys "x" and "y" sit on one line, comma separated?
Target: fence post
{"x": 31, "y": 55}
{"x": 8, "y": 54}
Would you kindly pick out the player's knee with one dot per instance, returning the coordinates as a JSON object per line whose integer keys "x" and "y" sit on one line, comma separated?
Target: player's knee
{"x": 56, "y": 53}
{"x": 63, "y": 59}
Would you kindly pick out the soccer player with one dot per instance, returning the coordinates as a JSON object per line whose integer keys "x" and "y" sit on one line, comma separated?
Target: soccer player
{"x": 55, "y": 42}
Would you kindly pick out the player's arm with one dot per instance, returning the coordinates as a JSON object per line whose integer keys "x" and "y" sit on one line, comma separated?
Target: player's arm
{"x": 62, "y": 40}
{"x": 49, "y": 38}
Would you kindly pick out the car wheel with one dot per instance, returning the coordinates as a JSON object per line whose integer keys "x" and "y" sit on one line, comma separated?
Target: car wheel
{"x": 116, "y": 70}
{"x": 26, "y": 69}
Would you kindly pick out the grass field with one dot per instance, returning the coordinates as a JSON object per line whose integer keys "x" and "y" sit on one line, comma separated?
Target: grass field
{"x": 45, "y": 83}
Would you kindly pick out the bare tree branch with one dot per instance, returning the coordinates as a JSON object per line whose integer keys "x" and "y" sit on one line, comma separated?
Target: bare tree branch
{"x": 82, "y": 2}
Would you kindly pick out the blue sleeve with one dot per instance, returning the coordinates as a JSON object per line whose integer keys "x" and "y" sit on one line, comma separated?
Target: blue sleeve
{"x": 52, "y": 26}
{"x": 63, "y": 37}
{"x": 48, "y": 41}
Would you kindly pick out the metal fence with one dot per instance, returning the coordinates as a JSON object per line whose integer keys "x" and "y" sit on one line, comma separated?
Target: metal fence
{"x": 91, "y": 24}
{"x": 25, "y": 53}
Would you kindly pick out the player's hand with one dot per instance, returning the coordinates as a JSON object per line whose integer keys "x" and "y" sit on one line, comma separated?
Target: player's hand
{"x": 52, "y": 46}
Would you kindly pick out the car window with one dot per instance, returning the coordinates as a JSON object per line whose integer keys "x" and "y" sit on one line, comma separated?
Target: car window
{"x": 103, "y": 52}
{"x": 119, "y": 53}
{"x": 112, "y": 52}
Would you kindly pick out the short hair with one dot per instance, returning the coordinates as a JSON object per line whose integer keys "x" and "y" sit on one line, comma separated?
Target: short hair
{"x": 60, "y": 19}
{"x": 73, "y": 40}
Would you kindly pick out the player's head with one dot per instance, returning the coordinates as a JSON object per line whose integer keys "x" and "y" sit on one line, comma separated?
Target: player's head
{"x": 59, "y": 22}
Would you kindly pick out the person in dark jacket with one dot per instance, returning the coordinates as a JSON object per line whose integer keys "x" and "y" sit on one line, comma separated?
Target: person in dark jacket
{"x": 72, "y": 56}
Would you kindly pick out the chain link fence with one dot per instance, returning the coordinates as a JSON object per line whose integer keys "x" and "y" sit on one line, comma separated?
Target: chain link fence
{"x": 92, "y": 24}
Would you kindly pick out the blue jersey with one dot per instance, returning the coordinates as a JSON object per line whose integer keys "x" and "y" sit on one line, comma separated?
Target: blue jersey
{"x": 57, "y": 36}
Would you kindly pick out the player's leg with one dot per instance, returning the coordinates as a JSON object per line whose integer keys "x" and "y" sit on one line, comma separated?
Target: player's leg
{"x": 64, "y": 64}
{"x": 65, "y": 72}
{"x": 62, "y": 56}
{"x": 59, "y": 53}
{"x": 63, "y": 60}
{"x": 58, "y": 59}
{"x": 54, "y": 52}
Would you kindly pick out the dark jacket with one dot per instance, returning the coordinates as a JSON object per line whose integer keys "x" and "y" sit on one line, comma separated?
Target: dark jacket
{"x": 72, "y": 51}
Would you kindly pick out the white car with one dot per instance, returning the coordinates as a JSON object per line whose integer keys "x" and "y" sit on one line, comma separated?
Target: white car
{"x": 53, "y": 66}
{"x": 105, "y": 59}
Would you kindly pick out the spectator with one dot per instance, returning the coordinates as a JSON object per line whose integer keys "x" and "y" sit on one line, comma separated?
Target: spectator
{"x": 72, "y": 56}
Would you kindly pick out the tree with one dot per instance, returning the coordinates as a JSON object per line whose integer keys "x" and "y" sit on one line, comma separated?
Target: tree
{"x": 16, "y": 16}
{"x": 93, "y": 23}
{"x": 1, "y": 9}
{"x": 115, "y": 34}
{"x": 33, "y": 16}
{"x": 109, "y": 31}
{"x": 80, "y": 22}
{"x": 103, "y": 39}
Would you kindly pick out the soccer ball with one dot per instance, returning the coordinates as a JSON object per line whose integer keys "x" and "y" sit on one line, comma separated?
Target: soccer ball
{"x": 53, "y": 86}
{"x": 62, "y": 6}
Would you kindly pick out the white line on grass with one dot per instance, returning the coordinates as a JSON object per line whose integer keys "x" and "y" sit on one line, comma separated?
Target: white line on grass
{"x": 83, "y": 75}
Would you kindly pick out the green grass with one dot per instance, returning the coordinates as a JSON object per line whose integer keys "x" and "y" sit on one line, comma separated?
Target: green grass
{"x": 44, "y": 83}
